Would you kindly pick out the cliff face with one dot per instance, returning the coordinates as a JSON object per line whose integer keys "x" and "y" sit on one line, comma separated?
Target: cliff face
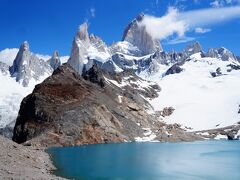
{"x": 136, "y": 34}
{"x": 80, "y": 46}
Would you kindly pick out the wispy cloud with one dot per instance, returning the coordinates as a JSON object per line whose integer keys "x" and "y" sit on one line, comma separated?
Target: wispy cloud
{"x": 217, "y": 3}
{"x": 209, "y": 16}
{"x": 92, "y": 12}
{"x": 178, "y": 23}
{"x": 179, "y": 40}
{"x": 183, "y": 4}
{"x": 202, "y": 30}
{"x": 222, "y": 3}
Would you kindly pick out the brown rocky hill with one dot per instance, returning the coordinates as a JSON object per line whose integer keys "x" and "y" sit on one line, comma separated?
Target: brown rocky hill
{"x": 68, "y": 109}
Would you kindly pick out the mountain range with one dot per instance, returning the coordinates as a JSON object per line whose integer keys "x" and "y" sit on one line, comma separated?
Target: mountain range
{"x": 132, "y": 90}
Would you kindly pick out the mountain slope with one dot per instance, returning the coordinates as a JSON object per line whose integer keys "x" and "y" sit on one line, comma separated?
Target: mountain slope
{"x": 67, "y": 109}
{"x": 8, "y": 55}
{"x": 19, "y": 79}
{"x": 11, "y": 96}
{"x": 205, "y": 95}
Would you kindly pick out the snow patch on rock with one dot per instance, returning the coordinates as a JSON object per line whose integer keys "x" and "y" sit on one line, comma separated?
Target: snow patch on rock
{"x": 149, "y": 136}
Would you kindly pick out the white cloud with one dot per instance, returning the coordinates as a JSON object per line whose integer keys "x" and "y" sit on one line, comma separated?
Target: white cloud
{"x": 92, "y": 12}
{"x": 162, "y": 27}
{"x": 202, "y": 30}
{"x": 203, "y": 17}
{"x": 178, "y": 23}
{"x": 179, "y": 40}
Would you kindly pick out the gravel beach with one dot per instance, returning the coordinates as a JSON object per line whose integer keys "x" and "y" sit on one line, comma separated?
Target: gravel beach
{"x": 23, "y": 162}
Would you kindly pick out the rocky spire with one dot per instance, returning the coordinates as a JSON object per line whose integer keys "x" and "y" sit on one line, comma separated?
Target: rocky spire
{"x": 21, "y": 59}
{"x": 27, "y": 66}
{"x": 192, "y": 49}
{"x": 80, "y": 46}
{"x": 55, "y": 61}
{"x": 136, "y": 34}
{"x": 221, "y": 53}
{"x": 98, "y": 43}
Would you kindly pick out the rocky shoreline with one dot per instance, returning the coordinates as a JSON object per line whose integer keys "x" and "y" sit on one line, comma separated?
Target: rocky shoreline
{"x": 22, "y": 162}
{"x": 30, "y": 161}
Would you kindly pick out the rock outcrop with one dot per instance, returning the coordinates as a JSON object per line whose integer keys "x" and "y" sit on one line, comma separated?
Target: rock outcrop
{"x": 174, "y": 69}
{"x": 94, "y": 75}
{"x": 27, "y": 66}
{"x": 136, "y": 34}
{"x": 68, "y": 110}
{"x": 238, "y": 58}
{"x": 4, "y": 68}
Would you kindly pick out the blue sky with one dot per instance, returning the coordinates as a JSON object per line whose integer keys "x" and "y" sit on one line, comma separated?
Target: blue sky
{"x": 50, "y": 25}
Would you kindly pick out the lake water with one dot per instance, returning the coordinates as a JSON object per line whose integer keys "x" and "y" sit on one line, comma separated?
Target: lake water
{"x": 189, "y": 160}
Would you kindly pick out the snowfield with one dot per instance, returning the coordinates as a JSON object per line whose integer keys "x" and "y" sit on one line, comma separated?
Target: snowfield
{"x": 11, "y": 96}
{"x": 200, "y": 101}
{"x": 8, "y": 55}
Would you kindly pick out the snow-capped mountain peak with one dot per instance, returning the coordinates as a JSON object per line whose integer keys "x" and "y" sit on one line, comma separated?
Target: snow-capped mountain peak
{"x": 193, "y": 49}
{"x": 86, "y": 49}
{"x": 80, "y": 46}
{"x": 27, "y": 66}
{"x": 82, "y": 33}
{"x": 222, "y": 53}
{"x": 55, "y": 61}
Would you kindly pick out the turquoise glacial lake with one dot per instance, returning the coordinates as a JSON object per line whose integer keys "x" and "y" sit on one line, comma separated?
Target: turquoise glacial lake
{"x": 189, "y": 160}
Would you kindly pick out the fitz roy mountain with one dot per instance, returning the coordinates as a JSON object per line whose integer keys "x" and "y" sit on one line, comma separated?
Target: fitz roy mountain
{"x": 132, "y": 90}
